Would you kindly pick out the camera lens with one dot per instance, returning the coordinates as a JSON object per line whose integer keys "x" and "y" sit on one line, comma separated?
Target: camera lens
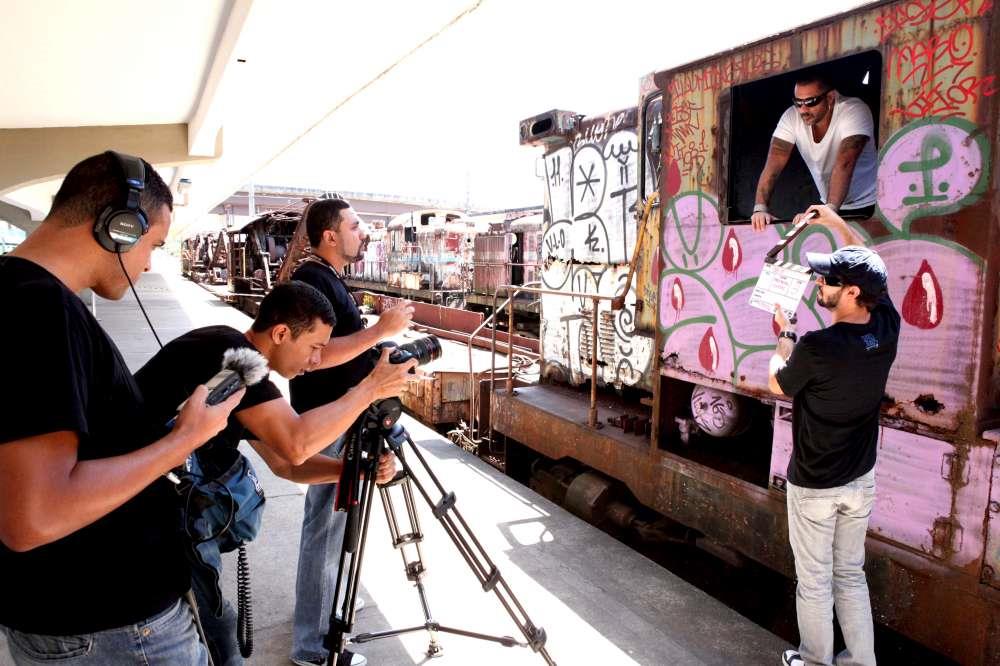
{"x": 424, "y": 349}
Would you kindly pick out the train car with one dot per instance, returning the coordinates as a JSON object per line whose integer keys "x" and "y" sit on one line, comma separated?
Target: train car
{"x": 257, "y": 254}
{"x": 703, "y": 441}
{"x": 406, "y": 266}
{"x": 204, "y": 257}
{"x": 507, "y": 252}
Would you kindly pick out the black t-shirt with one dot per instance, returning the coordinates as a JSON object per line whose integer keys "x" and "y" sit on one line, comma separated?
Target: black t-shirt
{"x": 323, "y": 386}
{"x": 836, "y": 377}
{"x": 175, "y": 371}
{"x": 63, "y": 373}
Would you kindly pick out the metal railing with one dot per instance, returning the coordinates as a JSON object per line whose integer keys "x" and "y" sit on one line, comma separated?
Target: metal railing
{"x": 513, "y": 290}
{"x": 473, "y": 383}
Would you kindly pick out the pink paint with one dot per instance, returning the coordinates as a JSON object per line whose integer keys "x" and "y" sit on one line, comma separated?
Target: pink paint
{"x": 929, "y": 168}
{"x": 691, "y": 230}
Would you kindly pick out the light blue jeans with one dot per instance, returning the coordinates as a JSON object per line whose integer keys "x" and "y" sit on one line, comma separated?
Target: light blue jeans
{"x": 166, "y": 639}
{"x": 319, "y": 559}
{"x": 827, "y": 531}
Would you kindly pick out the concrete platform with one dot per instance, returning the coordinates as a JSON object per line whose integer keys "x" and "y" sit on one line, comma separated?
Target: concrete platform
{"x": 599, "y": 601}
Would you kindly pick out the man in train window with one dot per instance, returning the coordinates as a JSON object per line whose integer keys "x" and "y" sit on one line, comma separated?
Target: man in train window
{"x": 836, "y": 377}
{"x": 835, "y": 135}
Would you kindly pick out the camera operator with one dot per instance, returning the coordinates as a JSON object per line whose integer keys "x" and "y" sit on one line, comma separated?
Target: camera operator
{"x": 291, "y": 330}
{"x": 338, "y": 240}
{"x": 92, "y": 568}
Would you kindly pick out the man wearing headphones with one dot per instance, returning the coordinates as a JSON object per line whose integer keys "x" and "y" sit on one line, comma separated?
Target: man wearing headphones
{"x": 92, "y": 569}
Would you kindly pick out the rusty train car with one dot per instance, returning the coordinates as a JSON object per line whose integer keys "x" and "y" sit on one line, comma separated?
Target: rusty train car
{"x": 707, "y": 443}
{"x": 441, "y": 256}
{"x": 205, "y": 257}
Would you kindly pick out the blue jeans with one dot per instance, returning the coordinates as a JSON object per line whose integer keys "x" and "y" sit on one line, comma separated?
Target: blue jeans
{"x": 319, "y": 558}
{"x": 827, "y": 529}
{"x": 168, "y": 638}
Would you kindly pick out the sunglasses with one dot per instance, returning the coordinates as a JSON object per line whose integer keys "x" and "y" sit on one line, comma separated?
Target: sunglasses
{"x": 809, "y": 101}
{"x": 829, "y": 281}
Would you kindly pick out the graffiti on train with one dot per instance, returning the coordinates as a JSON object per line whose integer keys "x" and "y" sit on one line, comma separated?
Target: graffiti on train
{"x": 587, "y": 244}
{"x": 929, "y": 167}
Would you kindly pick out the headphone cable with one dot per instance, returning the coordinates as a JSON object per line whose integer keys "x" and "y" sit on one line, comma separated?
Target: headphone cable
{"x": 118, "y": 251}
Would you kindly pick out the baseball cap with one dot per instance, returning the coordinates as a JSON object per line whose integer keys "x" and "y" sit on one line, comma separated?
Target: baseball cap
{"x": 854, "y": 265}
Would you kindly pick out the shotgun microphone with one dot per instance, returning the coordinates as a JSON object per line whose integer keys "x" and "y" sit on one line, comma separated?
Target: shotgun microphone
{"x": 241, "y": 366}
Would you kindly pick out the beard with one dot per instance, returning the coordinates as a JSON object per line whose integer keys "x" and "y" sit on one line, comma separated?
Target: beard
{"x": 358, "y": 257}
{"x": 830, "y": 302}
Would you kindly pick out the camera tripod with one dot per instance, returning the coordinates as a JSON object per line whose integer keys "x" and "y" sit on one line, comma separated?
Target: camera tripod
{"x": 376, "y": 432}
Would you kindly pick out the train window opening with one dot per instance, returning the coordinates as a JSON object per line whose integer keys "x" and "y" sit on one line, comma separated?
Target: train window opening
{"x": 728, "y": 432}
{"x": 653, "y": 120}
{"x": 543, "y": 125}
{"x": 756, "y": 109}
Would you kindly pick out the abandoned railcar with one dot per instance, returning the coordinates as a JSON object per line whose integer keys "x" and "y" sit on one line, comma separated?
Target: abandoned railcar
{"x": 708, "y": 445}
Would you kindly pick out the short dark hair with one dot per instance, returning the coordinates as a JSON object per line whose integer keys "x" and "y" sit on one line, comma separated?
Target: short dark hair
{"x": 867, "y": 300}
{"x": 321, "y": 215}
{"x": 295, "y": 304}
{"x": 98, "y": 182}
{"x": 813, "y": 76}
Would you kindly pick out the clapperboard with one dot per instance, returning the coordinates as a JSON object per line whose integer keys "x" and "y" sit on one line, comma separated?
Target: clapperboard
{"x": 782, "y": 282}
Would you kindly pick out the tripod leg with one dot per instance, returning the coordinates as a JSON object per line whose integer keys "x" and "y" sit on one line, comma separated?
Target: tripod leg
{"x": 355, "y": 539}
{"x": 414, "y": 567}
{"x": 467, "y": 544}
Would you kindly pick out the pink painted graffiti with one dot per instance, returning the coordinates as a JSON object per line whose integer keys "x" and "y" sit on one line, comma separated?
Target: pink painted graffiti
{"x": 930, "y": 168}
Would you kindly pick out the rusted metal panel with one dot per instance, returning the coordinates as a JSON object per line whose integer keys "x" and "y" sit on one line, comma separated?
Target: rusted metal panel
{"x": 991, "y": 558}
{"x": 492, "y": 255}
{"x": 439, "y": 316}
{"x": 930, "y": 493}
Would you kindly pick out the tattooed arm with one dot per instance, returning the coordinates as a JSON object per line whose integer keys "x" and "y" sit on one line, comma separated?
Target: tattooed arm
{"x": 777, "y": 158}
{"x": 840, "y": 180}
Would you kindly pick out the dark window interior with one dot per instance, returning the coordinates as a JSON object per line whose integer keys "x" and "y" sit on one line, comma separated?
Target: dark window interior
{"x": 756, "y": 108}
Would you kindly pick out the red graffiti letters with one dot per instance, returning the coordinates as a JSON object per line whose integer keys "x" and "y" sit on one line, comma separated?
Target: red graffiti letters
{"x": 919, "y": 12}
{"x": 938, "y": 68}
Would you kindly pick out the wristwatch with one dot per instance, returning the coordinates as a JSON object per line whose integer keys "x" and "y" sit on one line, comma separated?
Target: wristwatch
{"x": 790, "y": 335}
{"x": 760, "y": 208}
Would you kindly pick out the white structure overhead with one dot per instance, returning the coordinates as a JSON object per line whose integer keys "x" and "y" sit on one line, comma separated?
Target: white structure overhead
{"x": 208, "y": 90}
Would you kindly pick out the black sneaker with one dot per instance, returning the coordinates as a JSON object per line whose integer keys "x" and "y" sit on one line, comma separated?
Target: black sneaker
{"x": 788, "y": 658}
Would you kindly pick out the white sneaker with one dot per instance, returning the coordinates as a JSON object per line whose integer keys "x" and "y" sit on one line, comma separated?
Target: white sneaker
{"x": 788, "y": 658}
{"x": 359, "y": 605}
{"x": 356, "y": 660}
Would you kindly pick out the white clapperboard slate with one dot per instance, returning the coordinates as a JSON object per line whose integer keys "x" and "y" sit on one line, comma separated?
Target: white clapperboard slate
{"x": 782, "y": 283}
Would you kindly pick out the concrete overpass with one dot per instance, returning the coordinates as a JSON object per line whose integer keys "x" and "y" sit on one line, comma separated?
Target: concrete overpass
{"x": 208, "y": 91}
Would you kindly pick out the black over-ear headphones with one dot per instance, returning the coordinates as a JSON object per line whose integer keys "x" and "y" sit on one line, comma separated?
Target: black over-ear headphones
{"x": 120, "y": 226}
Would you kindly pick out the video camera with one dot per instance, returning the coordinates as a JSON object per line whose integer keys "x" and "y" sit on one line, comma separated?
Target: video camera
{"x": 364, "y": 439}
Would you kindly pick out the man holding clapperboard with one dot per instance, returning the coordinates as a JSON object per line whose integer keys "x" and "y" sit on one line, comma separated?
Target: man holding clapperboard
{"x": 836, "y": 377}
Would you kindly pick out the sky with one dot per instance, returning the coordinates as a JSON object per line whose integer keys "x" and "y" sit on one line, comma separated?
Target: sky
{"x": 443, "y": 124}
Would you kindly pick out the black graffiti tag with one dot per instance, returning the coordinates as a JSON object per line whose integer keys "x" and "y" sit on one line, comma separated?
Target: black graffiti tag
{"x": 588, "y": 182}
